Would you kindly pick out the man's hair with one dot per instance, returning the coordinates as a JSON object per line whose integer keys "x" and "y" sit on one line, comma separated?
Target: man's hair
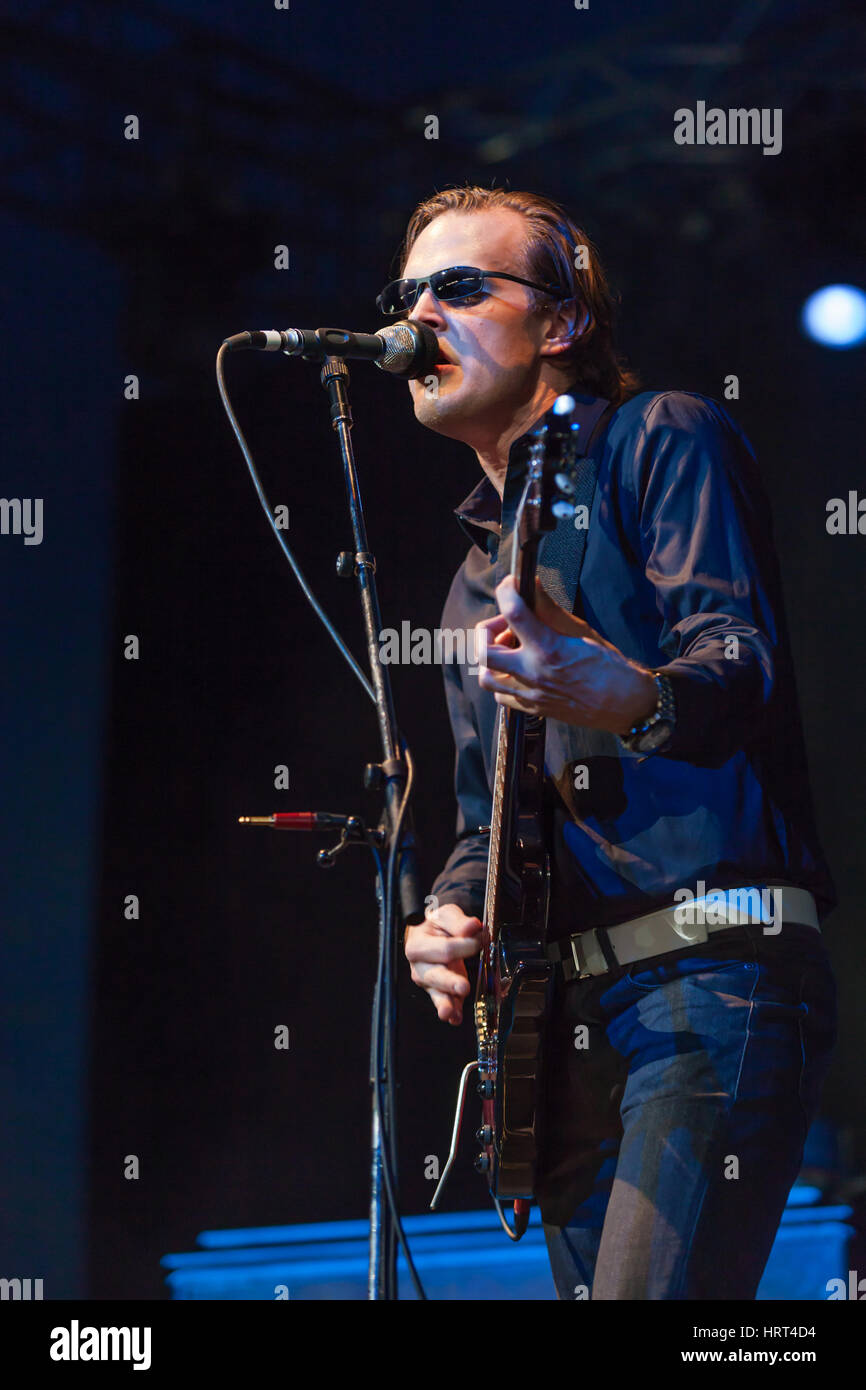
{"x": 553, "y": 244}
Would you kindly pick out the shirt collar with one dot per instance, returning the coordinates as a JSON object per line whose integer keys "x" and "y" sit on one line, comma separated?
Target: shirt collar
{"x": 480, "y": 514}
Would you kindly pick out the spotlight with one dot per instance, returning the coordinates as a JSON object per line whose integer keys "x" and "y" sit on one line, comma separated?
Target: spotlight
{"x": 835, "y": 316}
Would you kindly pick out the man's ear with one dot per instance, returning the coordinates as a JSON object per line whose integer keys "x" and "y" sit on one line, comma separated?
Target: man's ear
{"x": 569, "y": 321}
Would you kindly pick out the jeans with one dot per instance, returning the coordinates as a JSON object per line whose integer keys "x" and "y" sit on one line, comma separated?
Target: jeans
{"x": 676, "y": 1104}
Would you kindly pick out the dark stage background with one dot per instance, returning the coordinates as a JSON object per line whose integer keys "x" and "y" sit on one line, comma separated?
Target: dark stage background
{"x": 259, "y": 127}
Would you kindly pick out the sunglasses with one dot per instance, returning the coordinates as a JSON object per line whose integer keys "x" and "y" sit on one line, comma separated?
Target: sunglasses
{"x": 457, "y": 285}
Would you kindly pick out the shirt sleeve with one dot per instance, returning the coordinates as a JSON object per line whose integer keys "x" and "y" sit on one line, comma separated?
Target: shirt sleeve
{"x": 706, "y": 537}
{"x": 464, "y": 876}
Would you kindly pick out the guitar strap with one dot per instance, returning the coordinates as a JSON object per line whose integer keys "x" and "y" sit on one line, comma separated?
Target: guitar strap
{"x": 561, "y": 554}
{"x": 559, "y": 566}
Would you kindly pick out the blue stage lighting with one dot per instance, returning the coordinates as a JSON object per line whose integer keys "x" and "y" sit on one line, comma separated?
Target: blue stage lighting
{"x": 836, "y": 316}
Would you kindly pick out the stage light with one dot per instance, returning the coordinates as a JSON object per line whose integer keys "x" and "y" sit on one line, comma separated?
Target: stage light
{"x": 836, "y": 316}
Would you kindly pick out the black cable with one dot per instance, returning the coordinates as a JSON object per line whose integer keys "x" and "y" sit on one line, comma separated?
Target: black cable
{"x": 260, "y": 492}
{"x": 381, "y": 1007}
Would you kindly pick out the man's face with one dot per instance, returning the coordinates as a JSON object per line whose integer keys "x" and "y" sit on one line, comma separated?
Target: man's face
{"x": 493, "y": 345}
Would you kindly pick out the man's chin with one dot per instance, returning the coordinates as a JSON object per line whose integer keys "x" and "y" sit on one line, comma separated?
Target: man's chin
{"x": 440, "y": 408}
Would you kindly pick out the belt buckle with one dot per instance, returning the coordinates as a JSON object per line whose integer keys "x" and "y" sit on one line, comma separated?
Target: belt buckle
{"x": 581, "y": 964}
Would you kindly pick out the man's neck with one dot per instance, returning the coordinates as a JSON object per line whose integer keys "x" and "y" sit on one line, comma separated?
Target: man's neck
{"x": 493, "y": 454}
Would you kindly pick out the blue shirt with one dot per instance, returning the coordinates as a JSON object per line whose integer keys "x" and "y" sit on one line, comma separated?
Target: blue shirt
{"x": 680, "y": 574}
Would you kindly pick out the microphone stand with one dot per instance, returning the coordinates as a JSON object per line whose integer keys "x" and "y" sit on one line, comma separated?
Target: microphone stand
{"x": 405, "y": 349}
{"x": 392, "y": 772}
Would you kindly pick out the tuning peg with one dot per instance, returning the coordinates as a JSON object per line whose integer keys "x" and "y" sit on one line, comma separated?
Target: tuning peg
{"x": 566, "y": 484}
{"x": 563, "y": 508}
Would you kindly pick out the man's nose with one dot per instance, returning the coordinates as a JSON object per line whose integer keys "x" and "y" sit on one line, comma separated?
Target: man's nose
{"x": 427, "y": 309}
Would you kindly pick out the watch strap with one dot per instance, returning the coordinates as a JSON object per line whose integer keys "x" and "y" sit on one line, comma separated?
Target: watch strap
{"x": 665, "y": 710}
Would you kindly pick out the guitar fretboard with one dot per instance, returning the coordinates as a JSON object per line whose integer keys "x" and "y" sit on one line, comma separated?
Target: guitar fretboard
{"x": 504, "y": 724}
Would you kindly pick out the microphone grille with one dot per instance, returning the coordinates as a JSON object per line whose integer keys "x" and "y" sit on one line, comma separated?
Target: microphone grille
{"x": 400, "y": 347}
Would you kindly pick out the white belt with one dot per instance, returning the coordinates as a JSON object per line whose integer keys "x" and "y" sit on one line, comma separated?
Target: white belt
{"x": 686, "y": 924}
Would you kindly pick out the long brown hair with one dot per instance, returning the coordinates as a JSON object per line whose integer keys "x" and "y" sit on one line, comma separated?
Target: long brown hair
{"x": 553, "y": 244}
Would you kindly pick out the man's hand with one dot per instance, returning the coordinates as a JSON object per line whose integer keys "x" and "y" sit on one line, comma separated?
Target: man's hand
{"x": 553, "y": 664}
{"x": 436, "y": 949}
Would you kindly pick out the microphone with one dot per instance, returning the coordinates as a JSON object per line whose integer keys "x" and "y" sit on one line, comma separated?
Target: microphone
{"x": 405, "y": 350}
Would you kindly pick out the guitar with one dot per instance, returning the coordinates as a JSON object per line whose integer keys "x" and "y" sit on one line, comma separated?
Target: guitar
{"x": 515, "y": 978}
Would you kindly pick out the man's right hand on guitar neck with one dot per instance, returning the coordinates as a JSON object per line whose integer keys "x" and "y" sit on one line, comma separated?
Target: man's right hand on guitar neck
{"x": 436, "y": 949}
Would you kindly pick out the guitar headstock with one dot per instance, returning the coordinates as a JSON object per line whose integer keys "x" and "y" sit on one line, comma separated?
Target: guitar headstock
{"x": 549, "y": 485}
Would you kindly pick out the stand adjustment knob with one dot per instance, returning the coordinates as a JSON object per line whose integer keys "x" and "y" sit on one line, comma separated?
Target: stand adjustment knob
{"x": 484, "y": 1135}
{"x": 345, "y": 564}
{"x": 482, "y": 1163}
{"x": 374, "y": 777}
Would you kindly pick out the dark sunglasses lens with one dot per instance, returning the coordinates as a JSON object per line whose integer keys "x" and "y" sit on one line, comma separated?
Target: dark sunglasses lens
{"x": 460, "y": 282}
{"x": 397, "y": 297}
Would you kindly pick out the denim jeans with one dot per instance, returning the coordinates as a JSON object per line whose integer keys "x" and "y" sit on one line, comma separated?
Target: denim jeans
{"x": 677, "y": 1099}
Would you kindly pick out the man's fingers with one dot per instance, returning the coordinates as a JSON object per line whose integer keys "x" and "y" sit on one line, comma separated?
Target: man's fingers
{"x": 436, "y": 949}
{"x": 442, "y": 978}
{"x": 440, "y": 949}
{"x": 496, "y": 632}
{"x": 443, "y": 921}
{"x": 508, "y": 662}
{"x": 449, "y": 1009}
{"x": 521, "y": 619}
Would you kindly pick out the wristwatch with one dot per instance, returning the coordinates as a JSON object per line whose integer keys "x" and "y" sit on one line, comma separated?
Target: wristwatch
{"x": 653, "y": 733}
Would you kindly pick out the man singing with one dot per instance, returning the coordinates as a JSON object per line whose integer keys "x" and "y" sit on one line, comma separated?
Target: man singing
{"x": 685, "y": 1053}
